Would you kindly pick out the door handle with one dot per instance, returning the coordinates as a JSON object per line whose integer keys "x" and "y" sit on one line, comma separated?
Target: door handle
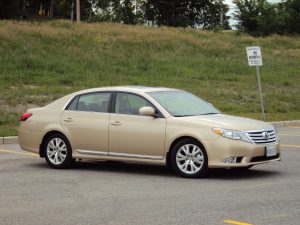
{"x": 68, "y": 120}
{"x": 116, "y": 123}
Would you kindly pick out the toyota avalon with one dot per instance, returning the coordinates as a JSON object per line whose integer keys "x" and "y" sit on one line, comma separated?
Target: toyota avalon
{"x": 146, "y": 125}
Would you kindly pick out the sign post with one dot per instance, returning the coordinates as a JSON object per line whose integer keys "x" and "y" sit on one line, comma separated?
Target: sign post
{"x": 255, "y": 59}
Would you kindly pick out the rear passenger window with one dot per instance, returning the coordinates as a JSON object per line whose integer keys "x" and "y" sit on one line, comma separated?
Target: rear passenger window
{"x": 72, "y": 106}
{"x": 94, "y": 102}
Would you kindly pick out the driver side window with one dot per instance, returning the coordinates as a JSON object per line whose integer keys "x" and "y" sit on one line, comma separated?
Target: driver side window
{"x": 129, "y": 103}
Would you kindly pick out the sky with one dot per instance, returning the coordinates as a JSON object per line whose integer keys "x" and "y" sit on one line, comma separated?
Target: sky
{"x": 229, "y": 2}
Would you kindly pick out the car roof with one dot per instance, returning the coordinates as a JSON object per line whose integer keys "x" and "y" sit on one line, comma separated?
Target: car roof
{"x": 136, "y": 89}
{"x": 62, "y": 102}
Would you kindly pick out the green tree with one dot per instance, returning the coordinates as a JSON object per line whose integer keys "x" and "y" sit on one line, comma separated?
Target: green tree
{"x": 126, "y": 11}
{"x": 17, "y": 9}
{"x": 247, "y": 15}
{"x": 261, "y": 18}
{"x": 292, "y": 16}
{"x": 214, "y": 15}
{"x": 187, "y": 13}
{"x": 10, "y": 9}
{"x": 63, "y": 8}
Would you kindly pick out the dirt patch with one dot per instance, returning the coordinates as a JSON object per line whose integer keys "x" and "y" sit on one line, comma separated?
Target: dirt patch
{"x": 24, "y": 86}
{"x": 19, "y": 109}
{"x": 37, "y": 96}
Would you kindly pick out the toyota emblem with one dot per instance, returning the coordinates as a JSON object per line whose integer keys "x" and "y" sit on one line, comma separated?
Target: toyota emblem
{"x": 265, "y": 135}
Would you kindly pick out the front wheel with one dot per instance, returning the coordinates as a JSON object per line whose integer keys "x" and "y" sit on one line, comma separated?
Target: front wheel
{"x": 58, "y": 151}
{"x": 189, "y": 159}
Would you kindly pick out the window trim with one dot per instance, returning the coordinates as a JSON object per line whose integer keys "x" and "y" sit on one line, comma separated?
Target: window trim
{"x": 109, "y": 109}
{"x": 113, "y": 107}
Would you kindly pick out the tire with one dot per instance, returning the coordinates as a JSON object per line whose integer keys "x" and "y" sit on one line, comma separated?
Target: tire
{"x": 189, "y": 159}
{"x": 58, "y": 151}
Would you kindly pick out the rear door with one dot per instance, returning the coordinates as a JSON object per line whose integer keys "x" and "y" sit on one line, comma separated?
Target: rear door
{"x": 86, "y": 119}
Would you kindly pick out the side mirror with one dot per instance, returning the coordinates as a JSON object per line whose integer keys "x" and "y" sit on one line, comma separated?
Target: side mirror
{"x": 147, "y": 111}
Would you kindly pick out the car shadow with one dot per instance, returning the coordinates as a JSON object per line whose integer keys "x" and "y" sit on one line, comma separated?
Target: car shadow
{"x": 160, "y": 170}
{"x": 239, "y": 174}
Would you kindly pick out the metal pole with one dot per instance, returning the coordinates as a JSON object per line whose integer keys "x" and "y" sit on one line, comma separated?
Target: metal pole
{"x": 23, "y": 14}
{"x": 72, "y": 11}
{"x": 221, "y": 14}
{"x": 78, "y": 10}
{"x": 261, "y": 95}
{"x": 51, "y": 9}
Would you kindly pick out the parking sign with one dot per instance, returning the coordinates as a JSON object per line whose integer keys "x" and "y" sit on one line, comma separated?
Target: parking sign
{"x": 254, "y": 59}
{"x": 254, "y": 56}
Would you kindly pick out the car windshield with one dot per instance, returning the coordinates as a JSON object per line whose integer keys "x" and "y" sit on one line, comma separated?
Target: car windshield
{"x": 181, "y": 103}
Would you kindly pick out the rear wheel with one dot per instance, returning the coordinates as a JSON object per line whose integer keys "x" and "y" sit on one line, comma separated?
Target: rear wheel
{"x": 58, "y": 151}
{"x": 189, "y": 159}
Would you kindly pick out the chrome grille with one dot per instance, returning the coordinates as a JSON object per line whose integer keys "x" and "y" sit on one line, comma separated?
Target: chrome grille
{"x": 262, "y": 136}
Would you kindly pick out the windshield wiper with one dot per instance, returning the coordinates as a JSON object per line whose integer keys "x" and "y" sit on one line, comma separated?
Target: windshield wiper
{"x": 208, "y": 114}
{"x": 183, "y": 115}
{"x": 196, "y": 114}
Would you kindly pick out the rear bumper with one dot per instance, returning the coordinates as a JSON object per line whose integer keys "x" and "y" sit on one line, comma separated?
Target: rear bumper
{"x": 30, "y": 140}
{"x": 249, "y": 154}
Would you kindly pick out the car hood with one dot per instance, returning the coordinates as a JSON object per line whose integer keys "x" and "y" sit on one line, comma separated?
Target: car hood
{"x": 228, "y": 122}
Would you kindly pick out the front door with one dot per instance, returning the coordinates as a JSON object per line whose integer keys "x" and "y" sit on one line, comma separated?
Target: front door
{"x": 133, "y": 135}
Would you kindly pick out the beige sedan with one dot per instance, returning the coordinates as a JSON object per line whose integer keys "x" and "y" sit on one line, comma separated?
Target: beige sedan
{"x": 147, "y": 125}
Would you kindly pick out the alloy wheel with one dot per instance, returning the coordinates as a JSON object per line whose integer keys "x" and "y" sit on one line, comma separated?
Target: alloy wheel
{"x": 189, "y": 158}
{"x": 57, "y": 151}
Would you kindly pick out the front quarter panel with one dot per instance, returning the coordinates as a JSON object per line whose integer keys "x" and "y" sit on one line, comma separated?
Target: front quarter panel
{"x": 177, "y": 128}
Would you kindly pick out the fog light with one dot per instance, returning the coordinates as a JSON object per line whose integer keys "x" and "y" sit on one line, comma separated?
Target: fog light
{"x": 230, "y": 160}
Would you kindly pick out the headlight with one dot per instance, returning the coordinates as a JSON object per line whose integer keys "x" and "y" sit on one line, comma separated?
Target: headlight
{"x": 231, "y": 134}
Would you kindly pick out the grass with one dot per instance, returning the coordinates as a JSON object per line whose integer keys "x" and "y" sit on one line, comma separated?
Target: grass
{"x": 40, "y": 62}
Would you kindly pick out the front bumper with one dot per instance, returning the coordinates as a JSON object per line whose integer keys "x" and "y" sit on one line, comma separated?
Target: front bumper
{"x": 248, "y": 153}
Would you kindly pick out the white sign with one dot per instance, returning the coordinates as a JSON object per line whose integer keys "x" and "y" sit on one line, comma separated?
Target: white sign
{"x": 254, "y": 56}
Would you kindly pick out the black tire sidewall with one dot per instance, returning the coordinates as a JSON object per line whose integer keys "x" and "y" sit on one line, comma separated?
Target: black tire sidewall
{"x": 68, "y": 161}
{"x": 177, "y": 146}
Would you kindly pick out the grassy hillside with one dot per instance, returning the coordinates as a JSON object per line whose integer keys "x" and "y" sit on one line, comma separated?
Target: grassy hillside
{"x": 40, "y": 62}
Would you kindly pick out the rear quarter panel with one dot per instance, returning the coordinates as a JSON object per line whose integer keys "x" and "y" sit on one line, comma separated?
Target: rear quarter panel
{"x": 43, "y": 120}
{"x": 32, "y": 131}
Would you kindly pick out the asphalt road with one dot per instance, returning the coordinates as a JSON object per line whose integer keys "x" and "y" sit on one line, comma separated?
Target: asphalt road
{"x": 119, "y": 193}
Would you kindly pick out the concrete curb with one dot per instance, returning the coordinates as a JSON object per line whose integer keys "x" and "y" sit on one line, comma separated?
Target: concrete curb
{"x": 14, "y": 139}
{"x": 9, "y": 140}
{"x": 292, "y": 123}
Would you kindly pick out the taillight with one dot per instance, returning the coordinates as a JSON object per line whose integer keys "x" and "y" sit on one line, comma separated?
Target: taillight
{"x": 25, "y": 116}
